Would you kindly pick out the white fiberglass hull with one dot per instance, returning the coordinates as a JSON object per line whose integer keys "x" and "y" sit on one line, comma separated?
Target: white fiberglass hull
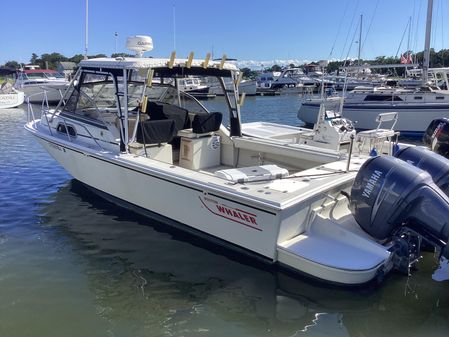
{"x": 11, "y": 100}
{"x": 412, "y": 119}
{"x": 248, "y": 87}
{"x": 36, "y": 92}
{"x": 250, "y": 224}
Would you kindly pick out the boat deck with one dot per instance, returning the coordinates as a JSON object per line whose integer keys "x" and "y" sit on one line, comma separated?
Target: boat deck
{"x": 273, "y": 193}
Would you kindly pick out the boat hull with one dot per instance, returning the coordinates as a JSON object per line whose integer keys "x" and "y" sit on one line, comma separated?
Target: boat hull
{"x": 35, "y": 93}
{"x": 205, "y": 210}
{"x": 412, "y": 120}
{"x": 259, "y": 229}
{"x": 11, "y": 100}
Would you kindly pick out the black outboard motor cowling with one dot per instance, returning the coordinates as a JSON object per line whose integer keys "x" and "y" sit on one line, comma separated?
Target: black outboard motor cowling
{"x": 388, "y": 194}
{"x": 436, "y": 136}
{"x": 437, "y": 166}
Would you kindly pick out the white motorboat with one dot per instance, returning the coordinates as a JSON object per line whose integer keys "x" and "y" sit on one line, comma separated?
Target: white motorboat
{"x": 38, "y": 84}
{"x": 248, "y": 87}
{"x": 311, "y": 210}
{"x": 9, "y": 96}
{"x": 193, "y": 85}
{"x": 294, "y": 80}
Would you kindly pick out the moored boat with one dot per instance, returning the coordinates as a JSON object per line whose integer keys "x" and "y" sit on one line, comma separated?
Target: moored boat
{"x": 9, "y": 96}
{"x": 38, "y": 84}
{"x": 157, "y": 148}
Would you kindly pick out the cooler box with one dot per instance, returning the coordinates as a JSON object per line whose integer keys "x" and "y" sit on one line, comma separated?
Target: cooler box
{"x": 199, "y": 153}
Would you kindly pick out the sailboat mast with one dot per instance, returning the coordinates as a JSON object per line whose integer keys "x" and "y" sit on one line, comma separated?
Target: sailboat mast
{"x": 425, "y": 68}
{"x": 409, "y": 53}
{"x": 86, "y": 32}
{"x": 360, "y": 39}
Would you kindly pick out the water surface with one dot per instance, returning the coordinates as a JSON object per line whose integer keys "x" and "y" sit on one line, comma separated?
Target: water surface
{"x": 73, "y": 264}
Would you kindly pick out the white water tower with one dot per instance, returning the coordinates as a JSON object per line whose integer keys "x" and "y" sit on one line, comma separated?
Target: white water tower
{"x": 139, "y": 44}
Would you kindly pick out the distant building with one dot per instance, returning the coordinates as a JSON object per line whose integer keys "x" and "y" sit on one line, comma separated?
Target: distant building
{"x": 66, "y": 68}
{"x": 312, "y": 67}
{"x": 31, "y": 66}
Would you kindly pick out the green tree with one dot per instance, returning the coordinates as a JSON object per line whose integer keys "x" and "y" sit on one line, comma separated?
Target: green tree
{"x": 34, "y": 58}
{"x": 76, "y": 58}
{"x": 248, "y": 73}
{"x": 121, "y": 55}
{"x": 12, "y": 64}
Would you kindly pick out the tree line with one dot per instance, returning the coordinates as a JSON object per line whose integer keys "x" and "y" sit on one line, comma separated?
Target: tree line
{"x": 50, "y": 61}
{"x": 437, "y": 60}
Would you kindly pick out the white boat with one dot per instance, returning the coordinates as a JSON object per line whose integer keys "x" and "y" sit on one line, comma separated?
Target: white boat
{"x": 265, "y": 79}
{"x": 157, "y": 148}
{"x": 192, "y": 85}
{"x": 9, "y": 96}
{"x": 294, "y": 80}
{"x": 416, "y": 107}
{"x": 248, "y": 87}
{"x": 40, "y": 83}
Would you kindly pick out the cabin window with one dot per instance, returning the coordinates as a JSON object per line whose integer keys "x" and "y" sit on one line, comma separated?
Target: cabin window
{"x": 381, "y": 98}
{"x": 440, "y": 97}
{"x": 62, "y": 129}
{"x": 418, "y": 97}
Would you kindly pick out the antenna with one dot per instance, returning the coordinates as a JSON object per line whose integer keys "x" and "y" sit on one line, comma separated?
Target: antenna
{"x": 116, "y": 37}
{"x": 86, "y": 33}
{"x": 174, "y": 27}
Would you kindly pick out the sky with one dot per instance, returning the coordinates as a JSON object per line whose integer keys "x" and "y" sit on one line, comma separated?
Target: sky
{"x": 253, "y": 31}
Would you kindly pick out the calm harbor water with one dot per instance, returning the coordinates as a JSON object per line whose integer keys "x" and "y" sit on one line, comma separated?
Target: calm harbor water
{"x": 73, "y": 264}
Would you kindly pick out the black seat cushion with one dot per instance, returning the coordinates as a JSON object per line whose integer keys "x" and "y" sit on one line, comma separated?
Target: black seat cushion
{"x": 203, "y": 123}
{"x": 156, "y": 131}
{"x": 161, "y": 111}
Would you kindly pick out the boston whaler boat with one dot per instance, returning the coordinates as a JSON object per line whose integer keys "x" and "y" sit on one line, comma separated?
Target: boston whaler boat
{"x": 315, "y": 211}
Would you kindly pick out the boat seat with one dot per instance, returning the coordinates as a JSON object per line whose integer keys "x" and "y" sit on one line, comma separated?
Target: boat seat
{"x": 163, "y": 111}
{"x": 156, "y": 131}
{"x": 206, "y": 123}
{"x": 252, "y": 173}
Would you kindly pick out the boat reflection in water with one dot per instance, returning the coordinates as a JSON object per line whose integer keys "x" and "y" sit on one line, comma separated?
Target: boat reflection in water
{"x": 158, "y": 280}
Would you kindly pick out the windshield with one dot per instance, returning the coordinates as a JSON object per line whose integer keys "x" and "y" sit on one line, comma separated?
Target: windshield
{"x": 168, "y": 94}
{"x": 54, "y": 75}
{"x": 44, "y": 75}
{"x": 96, "y": 94}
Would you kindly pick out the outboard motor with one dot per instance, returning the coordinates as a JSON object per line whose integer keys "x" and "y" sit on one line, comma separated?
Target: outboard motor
{"x": 389, "y": 196}
{"x": 437, "y": 166}
{"x": 436, "y": 136}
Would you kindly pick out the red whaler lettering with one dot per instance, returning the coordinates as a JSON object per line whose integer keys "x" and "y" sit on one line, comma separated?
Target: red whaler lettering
{"x": 237, "y": 214}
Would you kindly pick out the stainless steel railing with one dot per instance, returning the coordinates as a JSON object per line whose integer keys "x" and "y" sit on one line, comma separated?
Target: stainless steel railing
{"x": 45, "y": 110}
